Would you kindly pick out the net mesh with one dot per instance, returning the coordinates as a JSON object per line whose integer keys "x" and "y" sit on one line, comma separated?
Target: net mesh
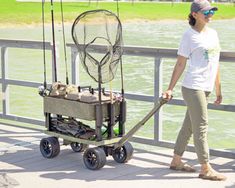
{"x": 98, "y": 27}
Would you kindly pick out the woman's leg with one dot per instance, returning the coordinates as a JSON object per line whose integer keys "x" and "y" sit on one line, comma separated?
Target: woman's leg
{"x": 196, "y": 102}
{"x": 182, "y": 140}
{"x": 197, "y": 108}
{"x": 183, "y": 136}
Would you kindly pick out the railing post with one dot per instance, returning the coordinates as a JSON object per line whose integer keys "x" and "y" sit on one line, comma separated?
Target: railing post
{"x": 74, "y": 66}
{"x": 157, "y": 94}
{"x": 5, "y": 90}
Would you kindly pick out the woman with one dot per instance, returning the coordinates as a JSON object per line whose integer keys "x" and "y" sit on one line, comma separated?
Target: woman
{"x": 200, "y": 49}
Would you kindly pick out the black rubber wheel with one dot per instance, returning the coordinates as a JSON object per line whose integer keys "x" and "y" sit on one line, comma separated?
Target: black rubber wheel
{"x": 78, "y": 147}
{"x": 123, "y": 154}
{"x": 50, "y": 147}
{"x": 94, "y": 158}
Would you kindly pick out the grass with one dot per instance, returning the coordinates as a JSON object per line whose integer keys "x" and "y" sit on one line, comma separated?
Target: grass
{"x": 12, "y": 12}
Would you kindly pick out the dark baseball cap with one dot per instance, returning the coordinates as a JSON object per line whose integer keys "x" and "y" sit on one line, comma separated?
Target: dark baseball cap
{"x": 201, "y": 5}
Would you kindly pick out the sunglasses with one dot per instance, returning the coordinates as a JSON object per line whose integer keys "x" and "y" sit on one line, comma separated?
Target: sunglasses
{"x": 207, "y": 12}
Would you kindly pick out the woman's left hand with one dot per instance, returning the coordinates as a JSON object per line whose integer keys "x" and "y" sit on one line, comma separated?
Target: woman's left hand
{"x": 218, "y": 99}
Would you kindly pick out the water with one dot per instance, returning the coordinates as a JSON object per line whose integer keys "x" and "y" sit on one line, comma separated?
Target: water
{"x": 27, "y": 65}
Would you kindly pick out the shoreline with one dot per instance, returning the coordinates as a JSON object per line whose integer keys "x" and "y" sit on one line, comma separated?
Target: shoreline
{"x": 129, "y": 21}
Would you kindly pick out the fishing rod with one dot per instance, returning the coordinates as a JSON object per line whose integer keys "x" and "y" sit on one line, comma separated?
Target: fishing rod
{"x": 117, "y": 5}
{"x": 53, "y": 40}
{"x": 122, "y": 81}
{"x": 123, "y": 103}
{"x": 65, "y": 54}
{"x": 44, "y": 45}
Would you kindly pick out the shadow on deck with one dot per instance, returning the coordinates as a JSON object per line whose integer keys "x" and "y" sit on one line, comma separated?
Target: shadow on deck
{"x": 22, "y": 165}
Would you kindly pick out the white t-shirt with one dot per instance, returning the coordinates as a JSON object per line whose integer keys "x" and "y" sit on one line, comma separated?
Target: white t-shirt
{"x": 203, "y": 51}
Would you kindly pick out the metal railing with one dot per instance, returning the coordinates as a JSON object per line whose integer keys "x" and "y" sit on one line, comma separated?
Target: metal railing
{"x": 157, "y": 53}
{"x": 6, "y": 82}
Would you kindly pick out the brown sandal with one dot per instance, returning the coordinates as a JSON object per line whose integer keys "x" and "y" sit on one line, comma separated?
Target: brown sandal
{"x": 183, "y": 167}
{"x": 212, "y": 175}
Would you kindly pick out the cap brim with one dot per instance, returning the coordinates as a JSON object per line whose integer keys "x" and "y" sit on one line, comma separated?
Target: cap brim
{"x": 214, "y": 8}
{"x": 210, "y": 8}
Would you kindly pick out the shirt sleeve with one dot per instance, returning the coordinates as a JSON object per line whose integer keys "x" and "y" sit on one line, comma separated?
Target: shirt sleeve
{"x": 184, "y": 47}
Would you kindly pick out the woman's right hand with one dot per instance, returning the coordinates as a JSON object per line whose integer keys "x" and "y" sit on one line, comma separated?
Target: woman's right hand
{"x": 167, "y": 94}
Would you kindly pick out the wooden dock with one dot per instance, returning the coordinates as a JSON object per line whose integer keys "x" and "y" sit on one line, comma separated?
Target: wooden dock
{"x": 22, "y": 166}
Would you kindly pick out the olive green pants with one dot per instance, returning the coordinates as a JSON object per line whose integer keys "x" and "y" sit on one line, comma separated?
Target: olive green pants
{"x": 195, "y": 123}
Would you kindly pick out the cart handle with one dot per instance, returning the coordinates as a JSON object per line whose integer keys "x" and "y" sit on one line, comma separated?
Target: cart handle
{"x": 158, "y": 104}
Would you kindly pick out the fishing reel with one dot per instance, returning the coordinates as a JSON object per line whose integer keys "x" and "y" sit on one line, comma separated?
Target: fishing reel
{"x": 42, "y": 91}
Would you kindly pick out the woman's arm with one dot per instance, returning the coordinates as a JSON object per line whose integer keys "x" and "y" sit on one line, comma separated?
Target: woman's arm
{"x": 218, "y": 88}
{"x": 177, "y": 72}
